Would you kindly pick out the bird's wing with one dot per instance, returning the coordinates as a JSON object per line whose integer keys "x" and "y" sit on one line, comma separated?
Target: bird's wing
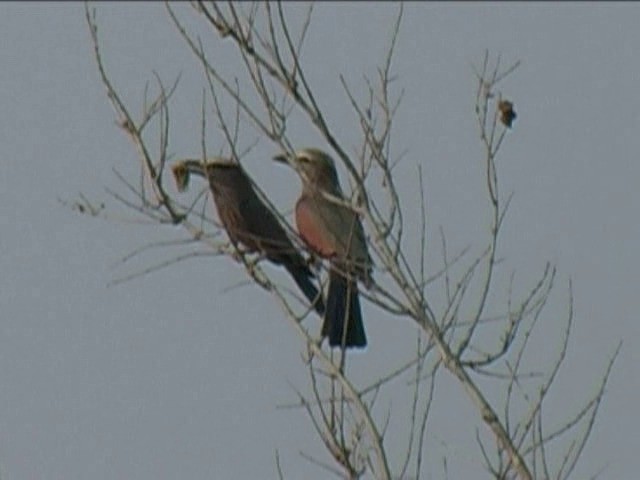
{"x": 267, "y": 230}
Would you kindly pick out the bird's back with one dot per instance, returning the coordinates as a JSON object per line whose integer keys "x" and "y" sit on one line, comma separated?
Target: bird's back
{"x": 246, "y": 218}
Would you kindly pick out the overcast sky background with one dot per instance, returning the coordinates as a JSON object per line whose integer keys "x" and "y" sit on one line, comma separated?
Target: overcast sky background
{"x": 173, "y": 376}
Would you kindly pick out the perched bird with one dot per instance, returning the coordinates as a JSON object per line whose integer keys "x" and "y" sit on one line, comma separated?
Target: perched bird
{"x": 333, "y": 231}
{"x": 247, "y": 219}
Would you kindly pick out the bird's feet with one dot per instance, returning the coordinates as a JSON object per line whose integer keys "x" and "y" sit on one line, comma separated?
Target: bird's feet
{"x": 239, "y": 254}
{"x": 313, "y": 262}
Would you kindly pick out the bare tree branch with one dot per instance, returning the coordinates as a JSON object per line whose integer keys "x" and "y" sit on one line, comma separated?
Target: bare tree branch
{"x": 269, "y": 87}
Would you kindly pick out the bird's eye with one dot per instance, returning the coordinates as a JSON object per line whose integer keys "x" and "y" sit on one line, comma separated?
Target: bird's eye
{"x": 303, "y": 159}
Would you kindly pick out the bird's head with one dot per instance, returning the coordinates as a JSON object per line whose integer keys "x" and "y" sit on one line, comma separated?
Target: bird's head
{"x": 315, "y": 166}
{"x": 215, "y": 169}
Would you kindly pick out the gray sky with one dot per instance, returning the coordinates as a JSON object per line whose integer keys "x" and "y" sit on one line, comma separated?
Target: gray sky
{"x": 173, "y": 376}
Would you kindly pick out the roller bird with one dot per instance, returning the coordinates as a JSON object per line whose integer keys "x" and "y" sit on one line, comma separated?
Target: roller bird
{"x": 247, "y": 220}
{"x": 332, "y": 230}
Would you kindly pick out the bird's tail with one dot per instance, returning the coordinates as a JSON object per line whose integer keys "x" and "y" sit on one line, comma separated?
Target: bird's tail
{"x": 302, "y": 277}
{"x": 343, "y": 318}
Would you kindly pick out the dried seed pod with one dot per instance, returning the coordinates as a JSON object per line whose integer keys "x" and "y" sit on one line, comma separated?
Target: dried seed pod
{"x": 507, "y": 113}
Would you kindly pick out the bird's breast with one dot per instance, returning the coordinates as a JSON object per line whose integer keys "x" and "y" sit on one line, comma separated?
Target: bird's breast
{"x": 312, "y": 229}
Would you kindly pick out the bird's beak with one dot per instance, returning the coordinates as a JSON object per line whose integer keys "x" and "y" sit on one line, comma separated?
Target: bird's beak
{"x": 282, "y": 158}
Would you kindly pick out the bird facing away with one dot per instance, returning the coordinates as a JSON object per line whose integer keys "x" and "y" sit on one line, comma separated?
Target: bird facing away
{"x": 247, "y": 220}
{"x": 333, "y": 231}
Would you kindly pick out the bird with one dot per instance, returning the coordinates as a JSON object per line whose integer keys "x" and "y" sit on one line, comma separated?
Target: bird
{"x": 332, "y": 230}
{"x": 247, "y": 220}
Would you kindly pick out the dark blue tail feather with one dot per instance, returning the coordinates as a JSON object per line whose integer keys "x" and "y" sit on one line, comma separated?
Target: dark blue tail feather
{"x": 343, "y": 306}
{"x": 302, "y": 277}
